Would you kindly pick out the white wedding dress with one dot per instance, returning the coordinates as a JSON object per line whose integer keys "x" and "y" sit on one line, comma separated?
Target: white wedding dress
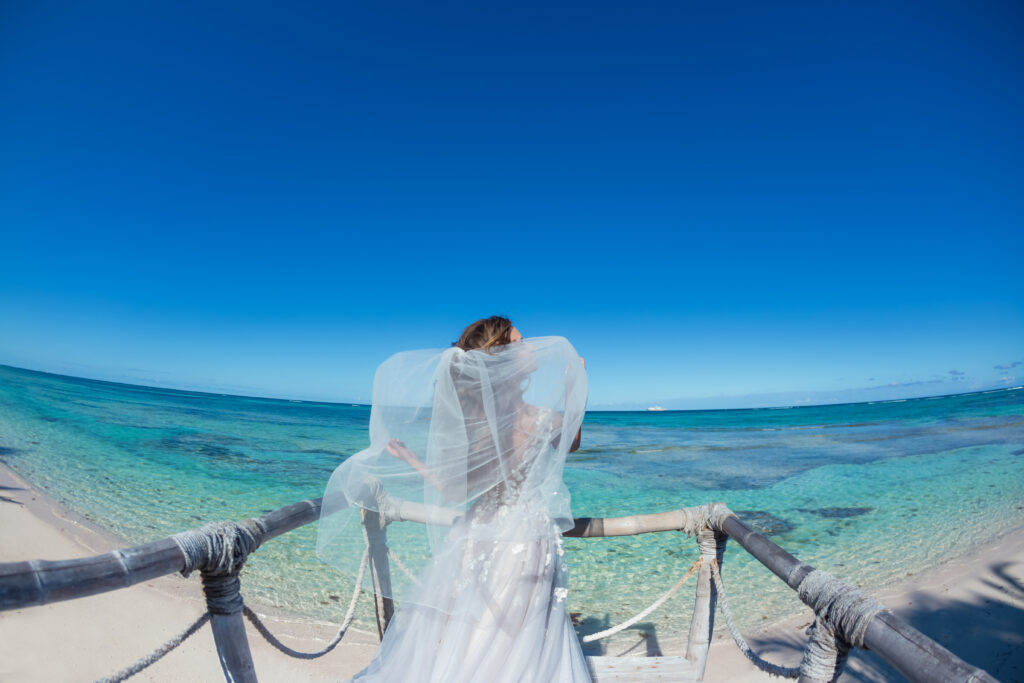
{"x": 489, "y": 603}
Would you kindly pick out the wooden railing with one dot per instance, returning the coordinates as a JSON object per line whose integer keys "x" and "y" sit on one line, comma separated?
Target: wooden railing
{"x": 39, "y": 582}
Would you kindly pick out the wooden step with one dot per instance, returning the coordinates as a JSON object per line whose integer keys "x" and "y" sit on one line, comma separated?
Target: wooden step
{"x": 640, "y": 669}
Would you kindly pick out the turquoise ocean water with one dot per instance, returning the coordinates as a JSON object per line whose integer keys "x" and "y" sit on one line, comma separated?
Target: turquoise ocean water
{"x": 871, "y": 492}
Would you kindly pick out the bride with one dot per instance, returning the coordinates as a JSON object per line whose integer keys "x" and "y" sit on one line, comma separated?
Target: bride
{"x": 493, "y": 419}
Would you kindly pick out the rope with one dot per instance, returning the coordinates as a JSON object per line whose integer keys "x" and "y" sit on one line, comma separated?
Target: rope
{"x": 158, "y": 653}
{"x": 825, "y": 654}
{"x": 653, "y": 606}
{"x": 763, "y": 665}
{"x": 844, "y": 609}
{"x": 219, "y": 548}
{"x": 223, "y": 593}
{"x": 345, "y": 623}
{"x": 401, "y": 565}
{"x": 843, "y": 613}
{"x": 700, "y": 517}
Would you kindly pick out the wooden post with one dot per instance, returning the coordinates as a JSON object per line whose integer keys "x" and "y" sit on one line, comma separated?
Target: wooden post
{"x": 700, "y": 624}
{"x": 380, "y": 570}
{"x": 224, "y": 600}
{"x": 712, "y": 548}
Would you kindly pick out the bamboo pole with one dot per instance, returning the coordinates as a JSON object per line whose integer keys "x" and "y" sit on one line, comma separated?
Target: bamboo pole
{"x": 380, "y": 570}
{"x": 594, "y": 527}
{"x": 40, "y": 582}
{"x": 408, "y": 511}
{"x": 224, "y": 601}
{"x": 233, "y": 648}
{"x": 702, "y": 624}
{"x": 702, "y": 621}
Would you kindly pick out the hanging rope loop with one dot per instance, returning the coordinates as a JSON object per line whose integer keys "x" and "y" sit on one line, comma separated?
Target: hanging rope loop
{"x": 345, "y": 623}
{"x": 219, "y": 550}
{"x": 770, "y": 668}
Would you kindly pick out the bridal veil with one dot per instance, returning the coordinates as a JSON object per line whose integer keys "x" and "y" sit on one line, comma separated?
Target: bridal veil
{"x": 492, "y": 428}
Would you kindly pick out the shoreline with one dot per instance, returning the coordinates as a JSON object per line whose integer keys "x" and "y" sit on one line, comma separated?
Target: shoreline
{"x": 979, "y": 592}
{"x": 99, "y": 635}
{"x": 96, "y": 539}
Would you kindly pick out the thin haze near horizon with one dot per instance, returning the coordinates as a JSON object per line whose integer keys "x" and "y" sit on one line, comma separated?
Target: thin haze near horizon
{"x": 720, "y": 206}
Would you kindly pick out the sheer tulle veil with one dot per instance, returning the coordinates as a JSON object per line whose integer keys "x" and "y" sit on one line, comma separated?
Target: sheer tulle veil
{"x": 494, "y": 424}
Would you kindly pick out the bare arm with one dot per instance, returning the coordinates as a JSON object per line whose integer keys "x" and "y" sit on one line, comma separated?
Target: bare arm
{"x": 579, "y": 434}
{"x": 398, "y": 449}
{"x": 575, "y": 446}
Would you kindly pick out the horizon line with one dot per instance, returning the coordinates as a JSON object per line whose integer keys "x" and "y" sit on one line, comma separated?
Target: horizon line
{"x": 589, "y": 410}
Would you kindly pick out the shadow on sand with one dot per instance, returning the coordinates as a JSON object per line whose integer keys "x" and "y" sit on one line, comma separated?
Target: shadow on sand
{"x": 986, "y": 630}
{"x": 5, "y": 499}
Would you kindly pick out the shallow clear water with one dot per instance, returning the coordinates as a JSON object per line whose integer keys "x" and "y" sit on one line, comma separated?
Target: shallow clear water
{"x": 870, "y": 492}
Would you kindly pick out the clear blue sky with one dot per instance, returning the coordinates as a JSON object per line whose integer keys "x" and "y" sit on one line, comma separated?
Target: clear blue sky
{"x": 718, "y": 203}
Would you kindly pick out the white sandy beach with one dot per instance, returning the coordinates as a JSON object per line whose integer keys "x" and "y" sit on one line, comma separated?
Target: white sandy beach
{"x": 973, "y": 605}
